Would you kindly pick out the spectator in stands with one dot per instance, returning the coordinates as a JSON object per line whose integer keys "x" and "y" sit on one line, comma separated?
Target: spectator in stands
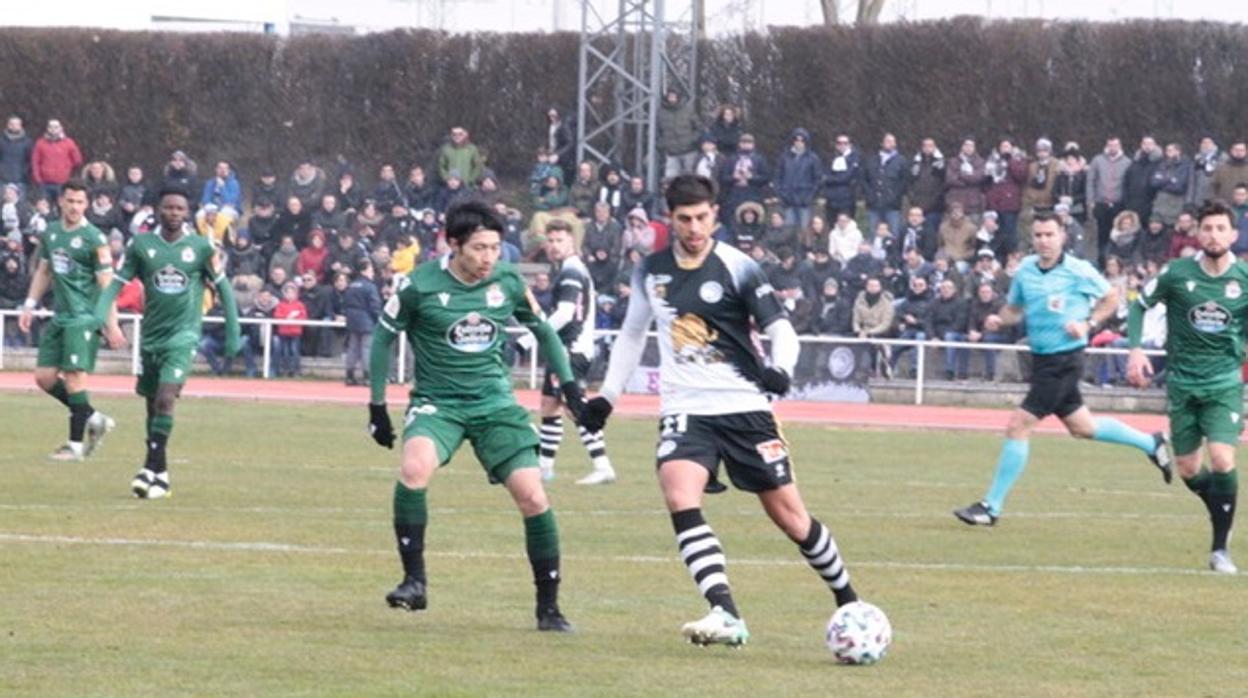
{"x": 347, "y": 193}
{"x": 1239, "y": 208}
{"x": 15, "y": 212}
{"x": 844, "y": 239}
{"x": 873, "y": 318}
{"x": 542, "y": 292}
{"x": 884, "y": 245}
{"x": 1155, "y": 245}
{"x": 1077, "y": 242}
{"x": 725, "y": 130}
{"x": 245, "y": 260}
{"x": 460, "y": 155}
{"x": 1137, "y": 185}
{"x": 318, "y": 299}
{"x": 884, "y": 175}
{"x": 583, "y": 193}
{"x": 98, "y": 175}
{"x": 611, "y": 191}
{"x": 1038, "y": 195}
{"x": 799, "y": 174}
{"x": 1124, "y": 239}
{"x": 1106, "y": 191}
{"x": 133, "y": 192}
{"x": 16, "y": 148}
{"x": 836, "y": 312}
{"x": 862, "y": 266}
{"x": 295, "y": 220}
{"x": 916, "y": 233}
{"x": 678, "y": 130}
{"x": 104, "y": 214}
{"x": 181, "y": 172}
{"x": 388, "y": 190}
{"x": 288, "y": 336}
{"x": 329, "y": 215}
{"x": 262, "y": 225}
{"x": 964, "y": 181}
{"x": 307, "y": 183}
{"x": 454, "y": 192}
{"x": 709, "y": 160}
{"x": 743, "y": 177}
{"x": 1205, "y": 163}
{"x": 1071, "y": 187}
{"x": 748, "y": 228}
{"x": 914, "y": 314}
{"x": 488, "y": 188}
{"x": 602, "y": 234}
{"x": 347, "y": 256}
{"x": 912, "y": 265}
{"x": 266, "y": 188}
{"x": 984, "y": 304}
{"x": 14, "y": 282}
{"x": 957, "y": 235}
{"x": 1171, "y": 181}
{"x": 212, "y": 343}
{"x": 284, "y": 257}
{"x": 560, "y": 140}
{"x": 926, "y": 183}
{"x": 638, "y": 233}
{"x": 361, "y": 306}
{"x": 802, "y": 310}
{"x": 948, "y": 321}
{"x": 986, "y": 269}
{"x": 223, "y": 190}
{"x": 53, "y": 160}
{"x": 989, "y": 235}
{"x": 636, "y": 196}
{"x": 778, "y": 232}
{"x": 544, "y": 166}
{"x": 1005, "y": 172}
{"x": 406, "y": 255}
{"x": 399, "y": 223}
{"x": 213, "y": 224}
{"x": 842, "y": 179}
{"x": 312, "y": 258}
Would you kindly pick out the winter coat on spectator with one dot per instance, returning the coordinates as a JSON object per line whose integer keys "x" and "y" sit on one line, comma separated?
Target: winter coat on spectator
{"x": 395, "y": 227}
{"x": 798, "y": 173}
{"x": 361, "y": 304}
{"x": 678, "y": 127}
{"x": 856, "y": 272}
{"x": 914, "y": 312}
{"x": 964, "y": 183}
{"x": 1005, "y": 179}
{"x": 107, "y": 219}
{"x": 286, "y": 259}
{"x": 814, "y": 275}
{"x": 776, "y": 237}
{"x": 266, "y": 192}
{"x": 1155, "y": 247}
{"x": 132, "y": 195}
{"x": 1124, "y": 239}
{"x": 1138, "y": 190}
{"x": 1171, "y": 180}
{"x": 873, "y": 315}
{"x": 319, "y": 300}
{"x": 744, "y": 177}
{"x": 245, "y": 260}
{"x": 1073, "y": 186}
{"x": 884, "y": 180}
{"x": 841, "y": 180}
{"x": 13, "y": 285}
{"x": 603, "y": 237}
{"x": 308, "y": 190}
{"x": 922, "y": 238}
{"x": 345, "y": 260}
{"x": 843, "y": 242}
{"x": 336, "y": 220}
{"x": 1106, "y": 179}
{"x": 15, "y": 217}
{"x": 1231, "y": 174}
{"x": 1204, "y": 165}
{"x": 708, "y": 164}
{"x": 261, "y": 229}
{"x": 15, "y": 153}
{"x": 54, "y": 161}
{"x": 836, "y": 316}
{"x": 726, "y": 135}
{"x": 225, "y": 192}
{"x": 183, "y": 177}
{"x": 957, "y": 238}
{"x": 978, "y": 311}
{"x": 947, "y": 315}
{"x": 464, "y": 159}
{"x": 295, "y": 225}
{"x": 927, "y": 182}
{"x": 290, "y": 310}
{"x": 582, "y": 196}
{"x": 550, "y": 198}
{"x": 613, "y": 196}
{"x": 643, "y": 199}
{"x": 745, "y": 234}
{"x": 387, "y": 194}
{"x": 1038, "y": 189}
{"x": 312, "y": 258}
{"x": 350, "y": 199}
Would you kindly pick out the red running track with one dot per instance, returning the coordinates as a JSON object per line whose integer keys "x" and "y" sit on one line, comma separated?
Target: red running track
{"x": 829, "y": 413}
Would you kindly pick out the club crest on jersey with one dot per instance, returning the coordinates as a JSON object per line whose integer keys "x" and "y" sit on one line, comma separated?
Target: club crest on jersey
{"x": 76, "y": 243}
{"x": 1233, "y": 290}
{"x": 494, "y": 296}
{"x": 170, "y": 280}
{"x": 62, "y": 263}
{"x": 151, "y": 253}
{"x": 1191, "y": 286}
{"x": 472, "y": 334}
{"x": 444, "y": 297}
{"x": 711, "y": 292}
{"x": 692, "y": 341}
{"x": 1209, "y": 317}
{"x": 188, "y": 255}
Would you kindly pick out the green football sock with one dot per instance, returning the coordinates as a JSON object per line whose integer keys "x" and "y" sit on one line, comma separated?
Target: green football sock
{"x": 541, "y": 541}
{"x": 411, "y": 515}
{"x": 59, "y": 392}
{"x": 1199, "y": 483}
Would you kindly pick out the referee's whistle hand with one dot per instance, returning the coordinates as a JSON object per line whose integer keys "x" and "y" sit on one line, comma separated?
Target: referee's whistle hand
{"x": 1077, "y": 329}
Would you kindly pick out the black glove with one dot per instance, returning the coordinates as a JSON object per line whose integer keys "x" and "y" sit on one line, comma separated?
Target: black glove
{"x": 574, "y": 400}
{"x": 596, "y": 413}
{"x": 379, "y": 426}
{"x": 775, "y": 380}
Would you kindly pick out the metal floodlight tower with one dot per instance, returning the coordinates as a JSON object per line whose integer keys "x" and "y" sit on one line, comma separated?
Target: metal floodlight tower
{"x": 631, "y": 52}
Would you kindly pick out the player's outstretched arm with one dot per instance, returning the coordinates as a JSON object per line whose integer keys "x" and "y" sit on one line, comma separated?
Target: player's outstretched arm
{"x": 785, "y": 347}
{"x": 628, "y": 346}
{"x": 233, "y": 332}
{"x": 39, "y": 282}
{"x": 379, "y": 426}
{"x": 1139, "y": 368}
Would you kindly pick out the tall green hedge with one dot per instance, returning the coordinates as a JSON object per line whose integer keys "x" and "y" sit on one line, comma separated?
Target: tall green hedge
{"x": 258, "y": 100}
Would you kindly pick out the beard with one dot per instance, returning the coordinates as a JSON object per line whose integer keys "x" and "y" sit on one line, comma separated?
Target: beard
{"x": 1212, "y": 254}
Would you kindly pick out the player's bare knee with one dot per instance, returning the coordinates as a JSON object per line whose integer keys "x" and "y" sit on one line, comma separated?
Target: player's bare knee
{"x": 1222, "y": 460}
{"x": 164, "y": 402}
{"x": 45, "y": 379}
{"x": 75, "y": 381}
{"x": 532, "y": 503}
{"x": 1187, "y": 465}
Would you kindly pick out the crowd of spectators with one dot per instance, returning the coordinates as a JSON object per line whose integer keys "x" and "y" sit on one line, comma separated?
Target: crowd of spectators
{"x": 858, "y": 241}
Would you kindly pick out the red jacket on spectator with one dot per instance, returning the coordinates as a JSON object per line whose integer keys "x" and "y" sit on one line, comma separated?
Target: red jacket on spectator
{"x": 130, "y": 299}
{"x": 290, "y": 310}
{"x": 54, "y": 162}
{"x": 1006, "y": 196}
{"x": 312, "y": 257}
{"x": 661, "y": 235}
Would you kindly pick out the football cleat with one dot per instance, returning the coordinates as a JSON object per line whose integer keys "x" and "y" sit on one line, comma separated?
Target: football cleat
{"x": 149, "y": 485}
{"x": 976, "y": 514}
{"x": 410, "y": 594}
{"x": 1220, "y": 562}
{"x": 1161, "y": 456}
{"x": 69, "y": 452}
{"x": 598, "y": 477}
{"x": 718, "y": 627}
{"x": 549, "y": 619}
{"x": 98, "y": 427}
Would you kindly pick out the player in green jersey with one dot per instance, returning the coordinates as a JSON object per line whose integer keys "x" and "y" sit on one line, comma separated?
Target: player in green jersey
{"x": 74, "y": 260}
{"x": 173, "y": 263}
{"x": 452, "y": 312}
{"x": 1206, "y": 299}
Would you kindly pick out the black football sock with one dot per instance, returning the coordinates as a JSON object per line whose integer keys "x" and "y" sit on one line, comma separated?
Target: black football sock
{"x": 541, "y": 542}
{"x": 704, "y": 557}
{"x": 159, "y": 429}
{"x": 79, "y": 412}
{"x": 59, "y": 392}
{"x": 821, "y": 553}
{"x": 1223, "y": 491}
{"x": 411, "y": 515}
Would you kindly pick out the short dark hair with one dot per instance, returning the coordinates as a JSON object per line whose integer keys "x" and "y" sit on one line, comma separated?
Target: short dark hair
{"x": 1215, "y": 207}
{"x": 1045, "y": 217}
{"x": 74, "y": 185}
{"x": 558, "y": 224}
{"x": 174, "y": 190}
{"x": 467, "y": 217}
{"x": 690, "y": 190}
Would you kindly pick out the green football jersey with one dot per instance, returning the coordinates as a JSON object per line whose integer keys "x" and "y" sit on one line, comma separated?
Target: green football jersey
{"x": 173, "y": 275}
{"x": 75, "y": 258}
{"x": 456, "y": 329}
{"x": 1204, "y": 322}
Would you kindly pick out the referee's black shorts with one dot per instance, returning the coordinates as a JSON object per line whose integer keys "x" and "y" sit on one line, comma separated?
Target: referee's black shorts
{"x": 1055, "y": 384}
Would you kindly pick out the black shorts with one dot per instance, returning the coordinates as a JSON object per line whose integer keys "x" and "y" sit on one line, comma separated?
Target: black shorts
{"x": 749, "y": 444}
{"x": 580, "y": 371}
{"x": 1055, "y": 384}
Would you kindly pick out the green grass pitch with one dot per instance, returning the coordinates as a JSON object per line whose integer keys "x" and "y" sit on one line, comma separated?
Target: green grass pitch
{"x": 264, "y": 574}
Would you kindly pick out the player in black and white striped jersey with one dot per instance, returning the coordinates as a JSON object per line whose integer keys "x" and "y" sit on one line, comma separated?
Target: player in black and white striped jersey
{"x": 573, "y": 319}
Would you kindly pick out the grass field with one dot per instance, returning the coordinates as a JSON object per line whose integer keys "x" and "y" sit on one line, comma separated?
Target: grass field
{"x": 264, "y": 575}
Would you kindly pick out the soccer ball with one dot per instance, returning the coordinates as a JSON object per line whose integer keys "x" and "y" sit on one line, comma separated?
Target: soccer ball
{"x": 859, "y": 633}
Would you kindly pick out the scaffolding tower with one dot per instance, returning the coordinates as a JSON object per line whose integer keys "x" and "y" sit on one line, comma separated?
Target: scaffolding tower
{"x": 631, "y": 52}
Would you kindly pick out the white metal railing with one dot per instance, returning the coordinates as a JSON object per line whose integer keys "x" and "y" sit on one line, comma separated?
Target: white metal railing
{"x": 266, "y": 333}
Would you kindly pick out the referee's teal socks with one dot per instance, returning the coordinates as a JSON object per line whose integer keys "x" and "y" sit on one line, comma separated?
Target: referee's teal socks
{"x": 1113, "y": 431}
{"x": 1010, "y": 466}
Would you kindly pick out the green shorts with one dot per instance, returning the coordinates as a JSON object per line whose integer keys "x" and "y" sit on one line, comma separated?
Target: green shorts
{"x": 501, "y": 434}
{"x": 1212, "y": 413}
{"x": 69, "y": 347}
{"x": 164, "y": 365}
